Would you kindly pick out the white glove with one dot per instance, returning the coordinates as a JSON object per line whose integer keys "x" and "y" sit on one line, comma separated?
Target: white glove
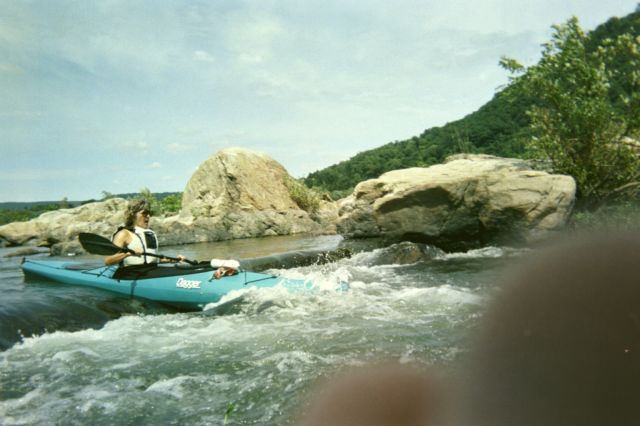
{"x": 230, "y": 263}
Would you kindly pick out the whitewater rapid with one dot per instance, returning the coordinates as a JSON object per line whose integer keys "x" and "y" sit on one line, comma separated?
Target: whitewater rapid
{"x": 259, "y": 350}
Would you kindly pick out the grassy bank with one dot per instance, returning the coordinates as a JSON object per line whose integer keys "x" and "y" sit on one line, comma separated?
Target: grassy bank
{"x": 615, "y": 216}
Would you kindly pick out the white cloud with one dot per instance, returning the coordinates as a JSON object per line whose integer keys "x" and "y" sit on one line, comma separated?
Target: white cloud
{"x": 136, "y": 146}
{"x": 179, "y": 147}
{"x": 251, "y": 35}
{"x": 154, "y": 165}
{"x": 137, "y": 142}
{"x": 201, "y": 55}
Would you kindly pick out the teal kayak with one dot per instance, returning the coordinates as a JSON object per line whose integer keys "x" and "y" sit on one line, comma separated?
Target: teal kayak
{"x": 178, "y": 285}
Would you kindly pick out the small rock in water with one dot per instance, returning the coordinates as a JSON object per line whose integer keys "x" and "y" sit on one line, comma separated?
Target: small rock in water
{"x": 27, "y": 251}
{"x": 71, "y": 248}
{"x": 405, "y": 253}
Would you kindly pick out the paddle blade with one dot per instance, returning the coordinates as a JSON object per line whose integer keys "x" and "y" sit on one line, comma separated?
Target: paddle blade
{"x": 95, "y": 244}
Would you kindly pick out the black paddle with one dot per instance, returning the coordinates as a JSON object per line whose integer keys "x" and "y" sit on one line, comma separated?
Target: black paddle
{"x": 95, "y": 244}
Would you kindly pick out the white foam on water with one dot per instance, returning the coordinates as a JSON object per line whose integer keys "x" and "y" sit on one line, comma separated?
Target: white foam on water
{"x": 16, "y": 403}
{"x": 175, "y": 386}
{"x": 484, "y": 252}
{"x": 284, "y": 361}
{"x": 194, "y": 364}
{"x": 320, "y": 278}
{"x": 445, "y": 295}
{"x": 124, "y": 365}
{"x": 167, "y": 333}
{"x": 357, "y": 285}
{"x": 95, "y": 404}
{"x": 57, "y": 338}
{"x": 277, "y": 292}
{"x": 75, "y": 355}
{"x": 94, "y": 398}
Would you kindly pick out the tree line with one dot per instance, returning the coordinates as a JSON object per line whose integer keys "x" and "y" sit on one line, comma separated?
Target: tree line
{"x": 162, "y": 203}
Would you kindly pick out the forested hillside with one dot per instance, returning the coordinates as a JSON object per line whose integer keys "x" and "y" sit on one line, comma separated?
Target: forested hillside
{"x": 500, "y": 127}
{"x": 496, "y": 128}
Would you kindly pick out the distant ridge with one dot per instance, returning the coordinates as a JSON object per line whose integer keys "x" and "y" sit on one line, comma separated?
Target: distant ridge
{"x": 19, "y": 205}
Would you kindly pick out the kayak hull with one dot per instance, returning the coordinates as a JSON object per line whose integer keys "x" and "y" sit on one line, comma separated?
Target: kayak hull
{"x": 186, "y": 288}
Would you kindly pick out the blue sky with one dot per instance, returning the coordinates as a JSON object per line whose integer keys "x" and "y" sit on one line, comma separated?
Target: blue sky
{"x": 119, "y": 95}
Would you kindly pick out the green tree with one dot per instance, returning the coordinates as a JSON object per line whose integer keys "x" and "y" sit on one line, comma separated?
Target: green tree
{"x": 156, "y": 208}
{"x": 11, "y": 215}
{"x": 162, "y": 204}
{"x": 171, "y": 203}
{"x": 575, "y": 118}
{"x": 107, "y": 195}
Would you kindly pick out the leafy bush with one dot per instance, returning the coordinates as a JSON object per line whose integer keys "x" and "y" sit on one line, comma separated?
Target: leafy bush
{"x": 168, "y": 204}
{"x": 306, "y": 198}
{"x": 11, "y": 215}
{"x": 618, "y": 215}
{"x": 171, "y": 203}
{"x": 577, "y": 119}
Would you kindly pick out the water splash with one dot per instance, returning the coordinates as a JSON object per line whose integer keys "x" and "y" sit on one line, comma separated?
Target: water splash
{"x": 259, "y": 349}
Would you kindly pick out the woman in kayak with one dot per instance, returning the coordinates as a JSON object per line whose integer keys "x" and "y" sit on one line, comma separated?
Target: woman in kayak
{"x": 136, "y": 235}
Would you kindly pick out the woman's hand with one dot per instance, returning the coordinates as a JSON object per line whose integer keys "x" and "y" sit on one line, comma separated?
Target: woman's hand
{"x": 180, "y": 258}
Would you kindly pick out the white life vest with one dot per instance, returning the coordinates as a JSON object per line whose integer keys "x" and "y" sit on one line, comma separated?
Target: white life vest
{"x": 143, "y": 240}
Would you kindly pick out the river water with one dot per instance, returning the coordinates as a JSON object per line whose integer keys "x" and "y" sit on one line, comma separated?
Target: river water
{"x": 74, "y": 355}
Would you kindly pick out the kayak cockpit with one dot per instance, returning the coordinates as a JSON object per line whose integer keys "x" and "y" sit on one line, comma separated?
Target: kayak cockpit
{"x": 150, "y": 271}
{"x": 83, "y": 266}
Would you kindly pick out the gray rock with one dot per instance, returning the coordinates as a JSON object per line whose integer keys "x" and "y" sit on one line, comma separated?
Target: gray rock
{"x": 466, "y": 202}
{"x": 238, "y": 193}
{"x": 66, "y": 248}
{"x": 236, "y": 180}
{"x": 64, "y": 225}
{"x": 26, "y": 251}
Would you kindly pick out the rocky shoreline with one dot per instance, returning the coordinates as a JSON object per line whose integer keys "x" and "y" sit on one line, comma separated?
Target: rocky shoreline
{"x": 466, "y": 202}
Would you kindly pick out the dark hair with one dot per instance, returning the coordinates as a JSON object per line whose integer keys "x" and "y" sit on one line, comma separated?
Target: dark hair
{"x": 135, "y": 206}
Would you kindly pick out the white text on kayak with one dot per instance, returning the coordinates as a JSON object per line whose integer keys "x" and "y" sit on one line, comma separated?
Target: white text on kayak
{"x": 182, "y": 283}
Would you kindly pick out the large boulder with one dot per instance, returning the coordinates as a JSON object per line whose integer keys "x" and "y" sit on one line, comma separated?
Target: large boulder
{"x": 237, "y": 179}
{"x": 238, "y": 193}
{"x": 468, "y": 201}
{"x": 60, "y": 226}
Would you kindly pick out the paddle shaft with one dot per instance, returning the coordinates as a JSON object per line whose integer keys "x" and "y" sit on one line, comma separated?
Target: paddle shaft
{"x": 161, "y": 256}
{"x": 96, "y": 244}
